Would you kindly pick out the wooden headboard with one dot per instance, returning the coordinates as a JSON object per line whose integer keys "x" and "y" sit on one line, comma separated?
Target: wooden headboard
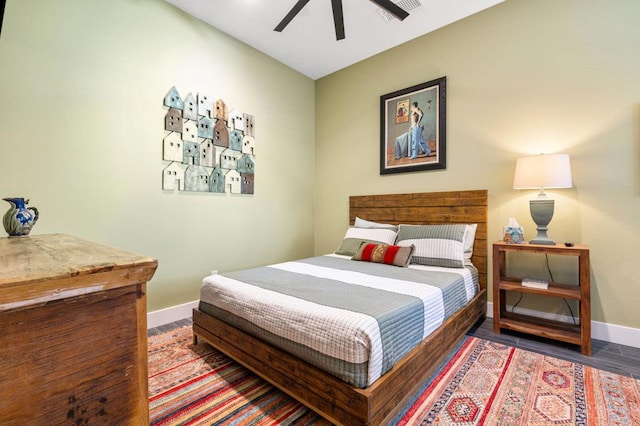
{"x": 430, "y": 208}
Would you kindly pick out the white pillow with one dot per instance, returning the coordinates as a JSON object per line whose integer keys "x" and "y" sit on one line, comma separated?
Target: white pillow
{"x": 355, "y": 236}
{"x": 363, "y": 223}
{"x": 469, "y": 239}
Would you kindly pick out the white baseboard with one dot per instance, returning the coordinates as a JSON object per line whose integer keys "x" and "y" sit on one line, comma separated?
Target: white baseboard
{"x": 599, "y": 330}
{"x": 172, "y": 314}
{"x": 613, "y": 333}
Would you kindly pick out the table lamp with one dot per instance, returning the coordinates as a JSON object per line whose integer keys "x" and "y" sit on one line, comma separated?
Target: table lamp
{"x": 542, "y": 172}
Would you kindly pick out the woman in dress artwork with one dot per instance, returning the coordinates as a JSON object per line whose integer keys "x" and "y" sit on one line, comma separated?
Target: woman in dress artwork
{"x": 418, "y": 144}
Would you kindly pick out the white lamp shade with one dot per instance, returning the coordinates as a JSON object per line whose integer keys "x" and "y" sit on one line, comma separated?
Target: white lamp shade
{"x": 543, "y": 171}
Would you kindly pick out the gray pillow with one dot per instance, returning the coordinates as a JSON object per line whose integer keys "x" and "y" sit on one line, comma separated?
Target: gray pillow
{"x": 435, "y": 245}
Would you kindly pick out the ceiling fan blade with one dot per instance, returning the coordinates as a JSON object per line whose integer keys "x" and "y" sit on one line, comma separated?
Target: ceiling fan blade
{"x": 392, "y": 8}
{"x": 292, "y": 14}
{"x": 338, "y": 18}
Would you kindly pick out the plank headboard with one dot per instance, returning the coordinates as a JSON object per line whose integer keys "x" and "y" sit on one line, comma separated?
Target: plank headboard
{"x": 430, "y": 208}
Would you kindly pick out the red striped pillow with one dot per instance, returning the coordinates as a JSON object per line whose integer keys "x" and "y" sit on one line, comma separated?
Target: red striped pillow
{"x": 383, "y": 253}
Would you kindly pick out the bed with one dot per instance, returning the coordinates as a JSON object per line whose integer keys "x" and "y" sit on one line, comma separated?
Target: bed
{"x": 371, "y": 400}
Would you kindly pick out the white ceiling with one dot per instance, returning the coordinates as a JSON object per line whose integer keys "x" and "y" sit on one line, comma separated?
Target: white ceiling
{"x": 308, "y": 44}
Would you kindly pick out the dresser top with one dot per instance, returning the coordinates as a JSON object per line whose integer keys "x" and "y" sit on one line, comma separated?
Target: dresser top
{"x": 51, "y": 256}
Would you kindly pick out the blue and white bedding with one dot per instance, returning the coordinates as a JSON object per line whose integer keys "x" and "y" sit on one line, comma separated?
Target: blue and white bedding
{"x": 354, "y": 320}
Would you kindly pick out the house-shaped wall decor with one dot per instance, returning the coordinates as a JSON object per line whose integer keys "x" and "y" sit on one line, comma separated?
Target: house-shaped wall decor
{"x": 232, "y": 181}
{"x": 235, "y": 140}
{"x": 205, "y": 147}
{"x": 207, "y": 153}
{"x": 205, "y": 128}
{"x": 236, "y": 120}
{"x": 220, "y": 112}
{"x": 190, "y": 110}
{"x": 221, "y": 134}
{"x": 173, "y": 99}
{"x": 246, "y": 164}
{"x": 189, "y": 131}
{"x": 246, "y": 183}
{"x": 216, "y": 180}
{"x": 229, "y": 159}
{"x": 173, "y": 177}
{"x": 172, "y": 147}
{"x": 249, "y": 122}
{"x": 191, "y": 154}
{"x": 196, "y": 178}
{"x": 205, "y": 105}
{"x": 173, "y": 120}
{"x": 248, "y": 145}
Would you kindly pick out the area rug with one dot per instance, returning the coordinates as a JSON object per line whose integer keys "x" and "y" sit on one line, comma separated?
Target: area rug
{"x": 482, "y": 383}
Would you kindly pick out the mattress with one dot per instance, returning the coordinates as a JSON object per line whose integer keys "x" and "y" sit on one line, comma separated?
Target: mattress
{"x": 354, "y": 320}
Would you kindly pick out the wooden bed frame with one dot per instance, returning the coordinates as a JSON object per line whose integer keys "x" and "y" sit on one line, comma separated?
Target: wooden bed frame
{"x": 330, "y": 397}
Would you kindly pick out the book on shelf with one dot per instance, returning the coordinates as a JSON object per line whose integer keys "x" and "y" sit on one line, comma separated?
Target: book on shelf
{"x": 535, "y": 283}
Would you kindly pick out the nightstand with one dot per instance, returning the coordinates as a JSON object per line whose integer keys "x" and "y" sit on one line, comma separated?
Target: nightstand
{"x": 579, "y": 334}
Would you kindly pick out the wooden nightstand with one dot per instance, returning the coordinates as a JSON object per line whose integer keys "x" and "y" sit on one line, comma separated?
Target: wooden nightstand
{"x": 579, "y": 334}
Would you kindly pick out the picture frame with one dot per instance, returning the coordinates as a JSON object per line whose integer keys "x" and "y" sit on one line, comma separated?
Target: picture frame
{"x": 413, "y": 128}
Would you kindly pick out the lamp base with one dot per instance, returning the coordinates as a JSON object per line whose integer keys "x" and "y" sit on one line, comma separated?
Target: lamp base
{"x": 542, "y": 240}
{"x": 541, "y": 212}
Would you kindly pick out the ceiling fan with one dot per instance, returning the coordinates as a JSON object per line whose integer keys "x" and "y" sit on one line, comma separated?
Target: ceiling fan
{"x": 338, "y": 18}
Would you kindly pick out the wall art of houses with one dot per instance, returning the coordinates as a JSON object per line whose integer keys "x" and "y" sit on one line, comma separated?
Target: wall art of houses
{"x": 248, "y": 145}
{"x": 237, "y": 120}
{"x": 235, "y": 140}
{"x": 172, "y": 149}
{"x": 248, "y": 124}
{"x": 207, "y": 147}
{"x": 221, "y": 134}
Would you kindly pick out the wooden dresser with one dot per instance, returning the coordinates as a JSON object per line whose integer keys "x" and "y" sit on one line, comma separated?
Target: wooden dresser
{"x": 73, "y": 332}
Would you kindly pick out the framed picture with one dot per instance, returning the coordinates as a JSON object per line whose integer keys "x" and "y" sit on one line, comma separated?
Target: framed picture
{"x": 413, "y": 128}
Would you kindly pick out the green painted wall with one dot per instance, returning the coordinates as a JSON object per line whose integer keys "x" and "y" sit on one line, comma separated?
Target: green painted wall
{"x": 81, "y": 129}
{"x": 523, "y": 77}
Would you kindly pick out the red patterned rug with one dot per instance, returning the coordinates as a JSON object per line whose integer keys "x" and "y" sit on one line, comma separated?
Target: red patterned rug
{"x": 483, "y": 383}
{"x": 487, "y": 383}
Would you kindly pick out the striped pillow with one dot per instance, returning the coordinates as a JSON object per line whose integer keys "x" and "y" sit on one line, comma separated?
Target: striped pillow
{"x": 355, "y": 236}
{"x": 435, "y": 245}
{"x": 382, "y": 253}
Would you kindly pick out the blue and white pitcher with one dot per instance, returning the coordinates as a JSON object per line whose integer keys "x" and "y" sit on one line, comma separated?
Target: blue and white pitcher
{"x": 19, "y": 219}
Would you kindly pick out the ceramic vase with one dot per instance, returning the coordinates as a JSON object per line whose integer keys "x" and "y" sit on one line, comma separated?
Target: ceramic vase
{"x": 19, "y": 219}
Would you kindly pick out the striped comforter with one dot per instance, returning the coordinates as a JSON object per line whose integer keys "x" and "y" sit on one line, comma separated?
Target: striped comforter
{"x": 354, "y": 320}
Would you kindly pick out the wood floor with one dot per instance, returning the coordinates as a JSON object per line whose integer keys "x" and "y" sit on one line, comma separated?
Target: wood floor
{"x": 607, "y": 356}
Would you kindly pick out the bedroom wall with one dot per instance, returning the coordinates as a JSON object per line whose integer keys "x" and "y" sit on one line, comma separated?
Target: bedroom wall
{"x": 523, "y": 77}
{"x": 81, "y": 129}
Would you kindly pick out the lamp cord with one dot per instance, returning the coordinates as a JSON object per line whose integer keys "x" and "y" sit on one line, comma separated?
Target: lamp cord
{"x": 513, "y": 308}
{"x": 546, "y": 256}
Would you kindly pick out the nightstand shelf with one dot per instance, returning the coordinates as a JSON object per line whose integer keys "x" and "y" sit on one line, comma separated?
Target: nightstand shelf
{"x": 541, "y": 327}
{"x": 579, "y": 334}
{"x": 567, "y": 291}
